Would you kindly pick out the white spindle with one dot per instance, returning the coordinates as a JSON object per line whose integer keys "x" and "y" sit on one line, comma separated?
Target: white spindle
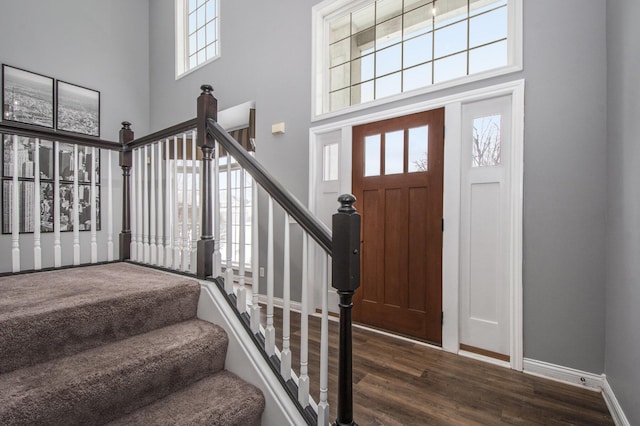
{"x": 92, "y": 206}
{"x": 153, "y": 250}
{"x": 194, "y": 204}
{"x": 217, "y": 256}
{"x": 76, "y": 209}
{"x": 185, "y": 208}
{"x": 177, "y": 249}
{"x": 145, "y": 199}
{"x": 228, "y": 280}
{"x": 139, "y": 174}
{"x": 160, "y": 225}
{"x": 133, "y": 205}
{"x": 168, "y": 220}
{"x": 285, "y": 355}
{"x": 241, "y": 301}
{"x": 37, "y": 250}
{"x": 110, "y": 206}
{"x": 255, "y": 264}
{"x": 15, "y": 219}
{"x": 303, "y": 380}
{"x": 323, "y": 405}
{"x": 270, "y": 333}
{"x": 57, "y": 248}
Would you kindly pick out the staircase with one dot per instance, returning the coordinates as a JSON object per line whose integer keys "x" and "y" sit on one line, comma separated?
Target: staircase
{"x": 114, "y": 344}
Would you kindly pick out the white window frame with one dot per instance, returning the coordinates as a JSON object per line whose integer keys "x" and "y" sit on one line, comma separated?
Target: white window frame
{"x": 328, "y": 9}
{"x": 182, "y": 39}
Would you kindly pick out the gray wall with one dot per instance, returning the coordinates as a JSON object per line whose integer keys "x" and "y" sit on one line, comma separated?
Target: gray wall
{"x": 623, "y": 244}
{"x": 102, "y": 45}
{"x": 266, "y": 57}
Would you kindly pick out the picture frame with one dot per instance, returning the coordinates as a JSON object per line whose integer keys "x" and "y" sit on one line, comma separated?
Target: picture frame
{"x": 77, "y": 109}
{"x": 27, "y": 97}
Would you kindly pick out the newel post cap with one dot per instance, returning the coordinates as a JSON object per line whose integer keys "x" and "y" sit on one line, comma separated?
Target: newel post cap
{"x": 346, "y": 203}
{"x": 126, "y": 125}
{"x": 207, "y": 89}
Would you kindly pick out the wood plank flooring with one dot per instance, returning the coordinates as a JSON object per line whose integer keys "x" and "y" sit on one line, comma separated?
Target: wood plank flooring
{"x": 402, "y": 383}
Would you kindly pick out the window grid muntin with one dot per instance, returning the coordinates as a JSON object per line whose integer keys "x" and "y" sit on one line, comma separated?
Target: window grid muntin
{"x": 209, "y": 50}
{"x": 499, "y": 4}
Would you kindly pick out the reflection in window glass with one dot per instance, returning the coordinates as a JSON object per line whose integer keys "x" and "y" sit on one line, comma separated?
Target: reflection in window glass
{"x": 451, "y": 39}
{"x": 330, "y": 162}
{"x": 488, "y": 27}
{"x": 389, "y": 60}
{"x": 372, "y": 155}
{"x": 418, "y": 154}
{"x": 488, "y": 57}
{"x": 394, "y": 152}
{"x": 486, "y": 141}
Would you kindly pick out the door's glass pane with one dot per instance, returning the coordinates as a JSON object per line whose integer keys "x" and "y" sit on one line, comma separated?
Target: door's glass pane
{"x": 339, "y": 99}
{"x": 340, "y": 28}
{"x": 450, "y": 67}
{"x": 488, "y": 57}
{"x": 362, "y": 43}
{"x": 451, "y": 39}
{"x": 339, "y": 52}
{"x": 389, "y": 85}
{"x": 488, "y": 27}
{"x": 386, "y": 9}
{"x": 330, "y": 162}
{"x": 486, "y": 141}
{"x": 340, "y": 76}
{"x": 388, "y": 33}
{"x": 449, "y": 11}
{"x": 361, "y": 93}
{"x": 479, "y": 6}
{"x": 389, "y": 60}
{"x": 372, "y": 155}
{"x": 362, "y": 69}
{"x": 363, "y": 18}
{"x": 418, "y": 149}
{"x": 417, "y": 51}
{"x": 416, "y": 77}
{"x": 394, "y": 152}
{"x": 418, "y": 21}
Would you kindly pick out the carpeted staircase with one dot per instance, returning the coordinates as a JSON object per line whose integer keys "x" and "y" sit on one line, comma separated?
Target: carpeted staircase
{"x": 117, "y": 344}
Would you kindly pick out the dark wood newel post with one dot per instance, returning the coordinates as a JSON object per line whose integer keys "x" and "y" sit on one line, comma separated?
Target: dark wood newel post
{"x": 207, "y": 108}
{"x": 126, "y": 135}
{"x": 346, "y": 280}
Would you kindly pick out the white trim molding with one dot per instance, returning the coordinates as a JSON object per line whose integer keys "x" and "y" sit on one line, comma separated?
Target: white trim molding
{"x": 619, "y": 418}
{"x": 563, "y": 374}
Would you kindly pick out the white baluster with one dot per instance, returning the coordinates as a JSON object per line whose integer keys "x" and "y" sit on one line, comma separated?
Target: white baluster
{"x": 169, "y": 218}
{"x": 134, "y": 205}
{"x": 15, "y": 219}
{"x": 241, "y": 302}
{"x": 217, "y": 256}
{"x": 185, "y": 208}
{"x": 194, "y": 205}
{"x": 270, "y": 333}
{"x": 57, "y": 248}
{"x": 323, "y": 405}
{"x": 153, "y": 250}
{"x": 92, "y": 206}
{"x": 160, "y": 208}
{"x": 177, "y": 250}
{"x": 255, "y": 263}
{"x": 228, "y": 280}
{"x": 285, "y": 355}
{"x": 303, "y": 380}
{"x": 37, "y": 250}
{"x": 110, "y": 206}
{"x": 140, "y": 195}
{"x": 76, "y": 209}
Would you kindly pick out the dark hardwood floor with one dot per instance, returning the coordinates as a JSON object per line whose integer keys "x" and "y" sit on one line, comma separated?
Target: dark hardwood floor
{"x": 403, "y": 383}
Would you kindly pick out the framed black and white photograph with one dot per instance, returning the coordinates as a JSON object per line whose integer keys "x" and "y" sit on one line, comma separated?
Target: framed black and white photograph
{"x": 78, "y": 109}
{"x": 27, "y": 97}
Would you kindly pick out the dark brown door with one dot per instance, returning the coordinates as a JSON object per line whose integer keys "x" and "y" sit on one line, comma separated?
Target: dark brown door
{"x": 397, "y": 181}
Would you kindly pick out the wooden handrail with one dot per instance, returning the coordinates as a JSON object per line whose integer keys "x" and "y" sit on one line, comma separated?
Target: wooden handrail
{"x": 30, "y": 131}
{"x": 316, "y": 229}
{"x": 162, "y": 134}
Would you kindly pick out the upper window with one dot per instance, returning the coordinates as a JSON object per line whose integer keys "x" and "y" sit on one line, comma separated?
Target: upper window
{"x": 377, "y": 49}
{"x": 197, "y": 33}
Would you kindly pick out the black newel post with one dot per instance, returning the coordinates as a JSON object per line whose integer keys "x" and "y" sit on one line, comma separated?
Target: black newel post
{"x": 126, "y": 135}
{"x": 207, "y": 108}
{"x": 346, "y": 280}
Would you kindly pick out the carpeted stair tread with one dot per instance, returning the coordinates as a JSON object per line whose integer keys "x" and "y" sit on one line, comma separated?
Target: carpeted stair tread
{"x": 104, "y": 383}
{"x": 57, "y": 313}
{"x": 221, "y": 399}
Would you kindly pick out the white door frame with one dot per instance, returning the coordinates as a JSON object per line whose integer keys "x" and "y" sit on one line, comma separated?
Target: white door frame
{"x": 451, "y": 208}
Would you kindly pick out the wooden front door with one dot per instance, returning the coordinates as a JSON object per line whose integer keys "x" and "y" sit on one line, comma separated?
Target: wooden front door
{"x": 398, "y": 184}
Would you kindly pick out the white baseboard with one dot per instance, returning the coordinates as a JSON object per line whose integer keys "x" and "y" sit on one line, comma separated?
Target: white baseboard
{"x": 615, "y": 409}
{"x": 562, "y": 374}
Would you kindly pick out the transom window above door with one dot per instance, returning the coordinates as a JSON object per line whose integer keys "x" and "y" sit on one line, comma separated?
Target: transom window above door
{"x": 383, "y": 49}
